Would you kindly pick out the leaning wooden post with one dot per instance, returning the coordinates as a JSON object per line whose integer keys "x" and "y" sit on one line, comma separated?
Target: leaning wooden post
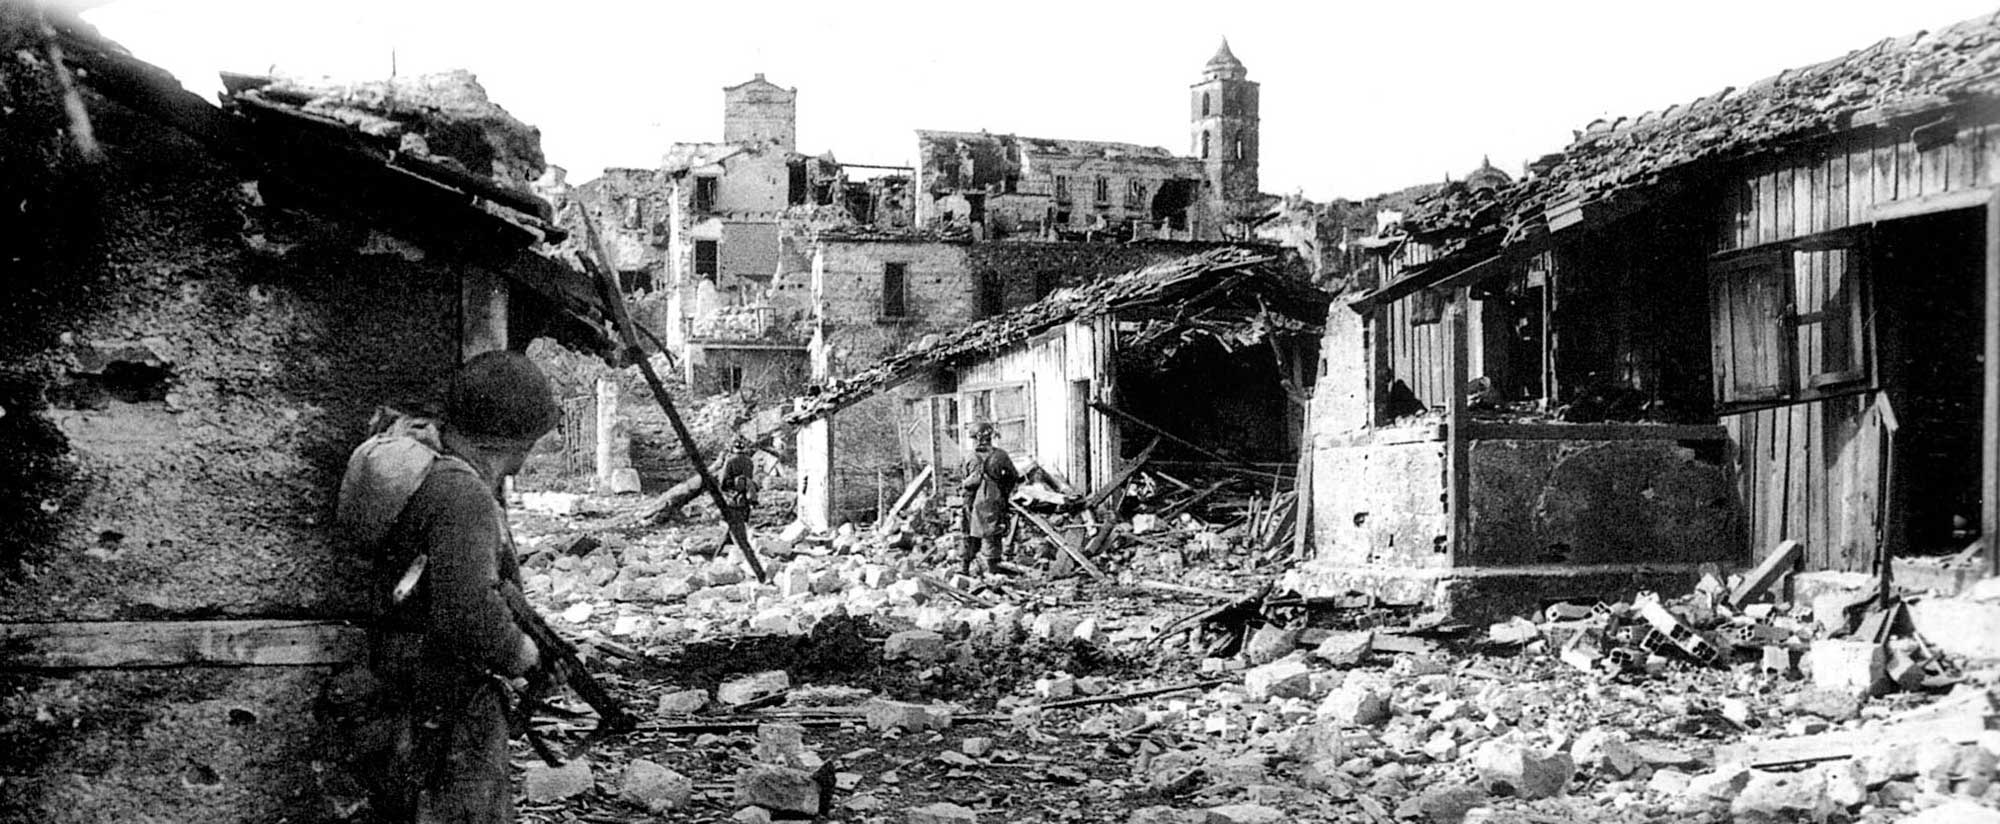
{"x": 614, "y": 306}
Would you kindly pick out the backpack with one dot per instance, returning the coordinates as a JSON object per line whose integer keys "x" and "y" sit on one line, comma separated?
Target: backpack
{"x": 382, "y": 474}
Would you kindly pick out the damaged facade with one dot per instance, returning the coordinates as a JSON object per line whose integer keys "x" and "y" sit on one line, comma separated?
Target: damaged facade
{"x": 1214, "y": 348}
{"x": 207, "y": 305}
{"x": 1675, "y": 343}
{"x": 1002, "y": 185}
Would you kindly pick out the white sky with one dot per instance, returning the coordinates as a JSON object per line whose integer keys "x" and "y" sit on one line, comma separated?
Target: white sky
{"x": 1357, "y": 98}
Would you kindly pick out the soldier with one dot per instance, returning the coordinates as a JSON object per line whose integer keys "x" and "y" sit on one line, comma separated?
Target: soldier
{"x": 989, "y": 481}
{"x": 739, "y": 480}
{"x": 453, "y": 642}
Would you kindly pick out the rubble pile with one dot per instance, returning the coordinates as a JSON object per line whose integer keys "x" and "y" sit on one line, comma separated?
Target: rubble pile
{"x": 1176, "y": 703}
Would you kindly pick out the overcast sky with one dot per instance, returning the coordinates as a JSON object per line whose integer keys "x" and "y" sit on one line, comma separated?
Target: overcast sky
{"x": 1357, "y": 98}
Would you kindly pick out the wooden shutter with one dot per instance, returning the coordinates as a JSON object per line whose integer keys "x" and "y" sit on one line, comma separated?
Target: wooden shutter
{"x": 1751, "y": 328}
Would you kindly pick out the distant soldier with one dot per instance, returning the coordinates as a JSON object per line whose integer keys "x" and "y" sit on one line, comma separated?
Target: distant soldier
{"x": 989, "y": 480}
{"x": 739, "y": 480}
{"x": 452, "y": 641}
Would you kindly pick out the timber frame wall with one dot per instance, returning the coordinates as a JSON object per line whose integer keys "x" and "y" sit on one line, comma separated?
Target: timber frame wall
{"x": 1810, "y": 463}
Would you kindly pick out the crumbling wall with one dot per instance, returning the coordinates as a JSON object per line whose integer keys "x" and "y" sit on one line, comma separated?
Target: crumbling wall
{"x": 939, "y": 294}
{"x": 179, "y": 390}
{"x": 868, "y": 456}
{"x": 1381, "y": 504}
{"x": 1580, "y": 502}
{"x": 1021, "y": 272}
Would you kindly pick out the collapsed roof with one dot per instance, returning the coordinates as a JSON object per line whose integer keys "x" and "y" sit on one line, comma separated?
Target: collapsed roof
{"x": 1890, "y": 80}
{"x": 1251, "y": 283}
{"x": 428, "y": 159}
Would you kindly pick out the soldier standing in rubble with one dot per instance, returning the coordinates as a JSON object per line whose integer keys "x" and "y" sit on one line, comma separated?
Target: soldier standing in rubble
{"x": 453, "y": 643}
{"x": 739, "y": 480}
{"x": 989, "y": 481}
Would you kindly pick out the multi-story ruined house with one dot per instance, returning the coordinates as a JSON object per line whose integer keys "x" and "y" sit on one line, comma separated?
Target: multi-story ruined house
{"x": 1004, "y": 185}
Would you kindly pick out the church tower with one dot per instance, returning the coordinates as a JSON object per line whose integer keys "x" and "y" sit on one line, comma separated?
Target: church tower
{"x": 1224, "y": 130}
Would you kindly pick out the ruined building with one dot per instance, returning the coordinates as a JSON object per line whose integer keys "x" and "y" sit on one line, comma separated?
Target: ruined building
{"x": 1765, "y": 316}
{"x": 204, "y": 306}
{"x": 1004, "y": 185}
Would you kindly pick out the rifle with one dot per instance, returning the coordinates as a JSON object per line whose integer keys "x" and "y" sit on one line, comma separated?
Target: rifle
{"x": 560, "y": 666}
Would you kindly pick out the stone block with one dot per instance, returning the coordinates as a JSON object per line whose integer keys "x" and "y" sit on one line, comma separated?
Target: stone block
{"x": 752, "y": 688}
{"x": 1853, "y": 667}
{"x": 885, "y": 715}
{"x": 1509, "y": 769}
{"x": 1245, "y": 814}
{"x": 1959, "y": 626}
{"x": 1355, "y": 704}
{"x": 1270, "y": 643}
{"x": 1288, "y": 678}
{"x": 941, "y": 813}
{"x": 1056, "y": 687}
{"x": 1780, "y": 798}
{"x": 1604, "y": 751}
{"x": 783, "y": 745}
{"x": 1669, "y": 782}
{"x": 1956, "y": 811}
{"x": 920, "y": 645}
{"x": 683, "y": 702}
{"x": 1345, "y": 649}
{"x": 545, "y": 783}
{"x": 778, "y": 789}
{"x": 1448, "y": 803}
{"x": 653, "y": 788}
{"x": 623, "y": 481}
{"x": 1721, "y": 784}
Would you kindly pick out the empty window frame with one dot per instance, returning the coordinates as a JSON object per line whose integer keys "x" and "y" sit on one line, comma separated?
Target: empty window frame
{"x": 895, "y": 290}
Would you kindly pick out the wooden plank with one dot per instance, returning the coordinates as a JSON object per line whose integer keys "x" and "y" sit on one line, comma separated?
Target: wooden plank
{"x": 1786, "y": 198}
{"x": 1836, "y": 190}
{"x": 1458, "y": 469}
{"x": 132, "y": 644}
{"x": 1496, "y": 431}
{"x": 1809, "y": 195}
{"x": 1117, "y": 481}
{"x": 1933, "y": 160}
{"x": 1989, "y": 417}
{"x": 1882, "y": 185}
{"x": 1909, "y": 172}
{"x": 1775, "y": 564}
{"x": 1767, "y": 207}
{"x": 1860, "y": 180}
{"x": 1989, "y": 155}
{"x": 1798, "y": 482}
{"x": 1062, "y": 541}
{"x": 1959, "y": 160}
{"x": 1729, "y": 229}
{"x": 1929, "y": 205}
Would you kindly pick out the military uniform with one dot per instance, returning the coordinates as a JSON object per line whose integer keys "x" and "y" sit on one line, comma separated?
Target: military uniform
{"x": 989, "y": 480}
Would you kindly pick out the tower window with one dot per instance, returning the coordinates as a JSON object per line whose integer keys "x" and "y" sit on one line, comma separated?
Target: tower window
{"x": 1204, "y": 104}
{"x": 1135, "y": 194}
{"x": 1204, "y": 145}
{"x": 1239, "y": 148}
{"x": 1062, "y": 189}
{"x": 1101, "y": 192}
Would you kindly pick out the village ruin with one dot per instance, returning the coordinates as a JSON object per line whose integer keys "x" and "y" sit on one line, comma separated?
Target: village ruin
{"x": 1655, "y": 480}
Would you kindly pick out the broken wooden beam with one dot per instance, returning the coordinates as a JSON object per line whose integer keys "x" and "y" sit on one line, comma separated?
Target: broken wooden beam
{"x": 1119, "y": 478}
{"x": 1061, "y": 541}
{"x": 909, "y": 494}
{"x": 1781, "y": 561}
{"x": 1233, "y": 464}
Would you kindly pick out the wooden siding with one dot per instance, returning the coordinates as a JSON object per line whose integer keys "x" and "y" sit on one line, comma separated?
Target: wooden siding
{"x": 1810, "y": 470}
{"x": 1047, "y": 365}
{"x": 1416, "y": 351}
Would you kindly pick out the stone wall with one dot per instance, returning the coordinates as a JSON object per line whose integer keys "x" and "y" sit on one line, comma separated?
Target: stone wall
{"x": 1381, "y": 504}
{"x": 940, "y": 295}
{"x": 1581, "y": 502}
{"x": 178, "y": 395}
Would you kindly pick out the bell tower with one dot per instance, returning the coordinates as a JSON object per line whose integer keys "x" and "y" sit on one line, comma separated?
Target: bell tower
{"x": 1223, "y": 114}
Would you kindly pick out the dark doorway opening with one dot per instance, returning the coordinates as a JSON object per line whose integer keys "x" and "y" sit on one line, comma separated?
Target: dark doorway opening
{"x": 1930, "y": 285}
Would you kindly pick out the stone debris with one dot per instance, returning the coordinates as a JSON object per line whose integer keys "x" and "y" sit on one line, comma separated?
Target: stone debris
{"x": 1627, "y": 710}
{"x": 546, "y": 783}
{"x": 652, "y": 787}
{"x": 778, "y": 789}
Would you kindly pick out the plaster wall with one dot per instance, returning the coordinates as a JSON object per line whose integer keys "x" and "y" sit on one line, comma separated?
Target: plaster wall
{"x": 1582, "y": 502}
